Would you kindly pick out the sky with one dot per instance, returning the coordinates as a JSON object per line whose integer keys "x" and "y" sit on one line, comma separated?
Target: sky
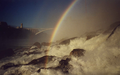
{"x": 84, "y": 15}
{"x": 32, "y": 13}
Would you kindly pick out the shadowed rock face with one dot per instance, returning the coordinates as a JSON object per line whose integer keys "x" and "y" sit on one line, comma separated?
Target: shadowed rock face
{"x": 38, "y": 61}
{"x": 41, "y": 60}
{"x": 64, "y": 65}
{"x": 8, "y": 65}
{"x": 32, "y": 53}
{"x": 77, "y": 52}
{"x": 91, "y": 35}
{"x": 112, "y": 27}
{"x": 113, "y": 31}
{"x": 6, "y": 53}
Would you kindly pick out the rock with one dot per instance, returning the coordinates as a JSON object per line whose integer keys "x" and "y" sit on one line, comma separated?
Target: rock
{"x": 34, "y": 47}
{"x": 64, "y": 65}
{"x": 42, "y": 60}
{"x": 37, "y": 44}
{"x": 6, "y": 53}
{"x": 22, "y": 70}
{"x": 113, "y": 31}
{"x": 19, "y": 51}
{"x": 38, "y": 70}
{"x": 8, "y": 65}
{"x": 77, "y": 52}
{"x": 32, "y": 53}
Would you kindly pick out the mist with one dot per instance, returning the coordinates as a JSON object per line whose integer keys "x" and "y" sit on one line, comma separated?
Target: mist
{"x": 88, "y": 16}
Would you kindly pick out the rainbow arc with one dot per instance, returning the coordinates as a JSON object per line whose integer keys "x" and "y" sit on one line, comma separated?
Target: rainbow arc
{"x": 59, "y": 24}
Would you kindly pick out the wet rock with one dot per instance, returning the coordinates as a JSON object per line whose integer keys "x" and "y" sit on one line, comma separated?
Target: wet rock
{"x": 37, "y": 44}
{"x": 6, "y": 53}
{"x": 38, "y": 70}
{"x": 11, "y": 72}
{"x": 34, "y": 52}
{"x": 64, "y": 65}
{"x": 19, "y": 51}
{"x": 113, "y": 31}
{"x": 90, "y": 36}
{"x": 77, "y": 52}
{"x": 8, "y": 65}
{"x": 33, "y": 47}
{"x": 42, "y": 60}
{"x": 22, "y": 70}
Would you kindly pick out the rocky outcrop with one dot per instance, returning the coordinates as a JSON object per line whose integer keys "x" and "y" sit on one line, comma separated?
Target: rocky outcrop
{"x": 42, "y": 60}
{"x": 8, "y": 65}
{"x": 77, "y": 52}
{"x": 6, "y": 53}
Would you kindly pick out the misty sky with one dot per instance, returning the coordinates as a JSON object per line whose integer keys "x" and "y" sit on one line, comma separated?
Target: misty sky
{"x": 85, "y": 15}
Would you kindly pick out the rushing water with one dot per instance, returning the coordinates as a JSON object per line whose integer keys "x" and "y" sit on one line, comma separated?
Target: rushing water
{"x": 101, "y": 57}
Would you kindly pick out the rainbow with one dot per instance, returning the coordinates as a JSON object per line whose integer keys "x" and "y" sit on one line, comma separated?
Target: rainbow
{"x": 59, "y": 23}
{"x": 61, "y": 19}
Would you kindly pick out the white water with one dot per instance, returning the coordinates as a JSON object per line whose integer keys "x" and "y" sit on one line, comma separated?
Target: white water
{"x": 102, "y": 57}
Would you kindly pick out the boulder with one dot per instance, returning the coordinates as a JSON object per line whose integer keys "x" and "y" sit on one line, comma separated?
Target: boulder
{"x": 64, "y": 65}
{"x": 77, "y": 52}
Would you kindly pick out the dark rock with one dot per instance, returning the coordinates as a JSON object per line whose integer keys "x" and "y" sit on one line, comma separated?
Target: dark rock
{"x": 32, "y": 53}
{"x": 113, "y": 31}
{"x": 8, "y": 65}
{"x": 46, "y": 51}
{"x": 6, "y": 53}
{"x": 77, "y": 52}
{"x": 42, "y": 60}
{"x": 38, "y": 70}
{"x": 19, "y": 51}
{"x": 37, "y": 44}
{"x": 91, "y": 36}
{"x": 64, "y": 65}
{"x": 111, "y": 27}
